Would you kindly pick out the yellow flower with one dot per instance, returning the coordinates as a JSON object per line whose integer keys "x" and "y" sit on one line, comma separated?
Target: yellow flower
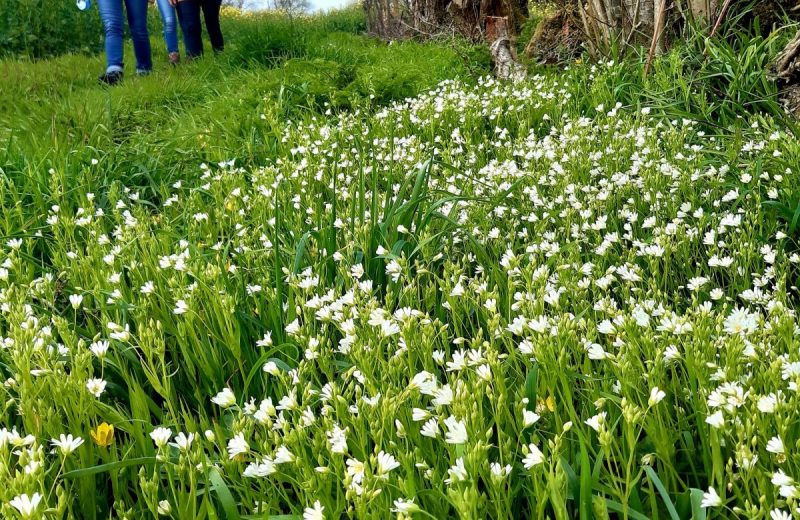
{"x": 104, "y": 435}
{"x": 548, "y": 404}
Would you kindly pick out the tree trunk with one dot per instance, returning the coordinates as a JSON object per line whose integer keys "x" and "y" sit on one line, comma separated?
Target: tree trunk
{"x": 603, "y": 25}
{"x": 468, "y": 18}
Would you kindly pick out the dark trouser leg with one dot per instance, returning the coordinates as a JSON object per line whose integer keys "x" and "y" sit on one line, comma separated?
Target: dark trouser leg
{"x": 211, "y": 14}
{"x": 189, "y": 18}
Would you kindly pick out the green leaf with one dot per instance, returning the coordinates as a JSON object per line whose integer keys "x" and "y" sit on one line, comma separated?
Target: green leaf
{"x": 573, "y": 486}
{"x": 585, "y": 484}
{"x": 662, "y": 491}
{"x": 224, "y": 495}
{"x": 111, "y": 466}
{"x": 619, "y": 508}
{"x": 530, "y": 387}
{"x": 301, "y": 250}
{"x": 696, "y": 498}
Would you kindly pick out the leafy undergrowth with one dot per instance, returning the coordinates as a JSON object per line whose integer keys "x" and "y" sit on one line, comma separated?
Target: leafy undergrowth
{"x": 483, "y": 300}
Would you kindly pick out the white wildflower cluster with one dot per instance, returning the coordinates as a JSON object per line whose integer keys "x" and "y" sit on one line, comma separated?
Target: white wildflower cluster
{"x": 502, "y": 281}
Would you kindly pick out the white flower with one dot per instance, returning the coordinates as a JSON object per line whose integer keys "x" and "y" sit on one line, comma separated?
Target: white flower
{"x": 596, "y": 422}
{"x": 75, "y": 300}
{"x": 260, "y": 469}
{"x": 237, "y": 446}
{"x": 418, "y": 414}
{"x": 425, "y": 382}
{"x": 499, "y": 471}
{"x": 457, "y": 472}
{"x": 533, "y": 458}
{"x": 767, "y": 403}
{"x": 386, "y": 463}
{"x": 67, "y": 443}
{"x": 596, "y": 352}
{"x": 777, "y": 514}
{"x": 283, "y": 455}
{"x": 788, "y": 491}
{"x": 355, "y": 470}
{"x": 26, "y": 505}
{"x": 456, "y": 431}
{"x": 780, "y": 479}
{"x": 711, "y": 498}
{"x": 458, "y": 290}
{"x": 99, "y": 348}
{"x": 161, "y": 436}
{"x": 266, "y": 341}
{"x": 315, "y": 512}
{"x": 337, "y": 439}
{"x": 404, "y": 506}
{"x": 528, "y": 418}
{"x": 696, "y": 283}
{"x": 741, "y": 322}
{"x": 606, "y": 327}
{"x": 96, "y": 386}
{"x": 288, "y": 402}
{"x": 225, "y": 398}
{"x": 430, "y": 428}
{"x": 716, "y": 419}
{"x": 443, "y": 396}
{"x": 183, "y": 442}
{"x": 656, "y": 396}
{"x": 181, "y": 307}
{"x": 120, "y": 333}
{"x": 775, "y": 445}
{"x": 394, "y": 270}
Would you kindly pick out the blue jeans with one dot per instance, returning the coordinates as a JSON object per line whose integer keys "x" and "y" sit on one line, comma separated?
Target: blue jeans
{"x": 170, "y": 21}
{"x": 114, "y": 25}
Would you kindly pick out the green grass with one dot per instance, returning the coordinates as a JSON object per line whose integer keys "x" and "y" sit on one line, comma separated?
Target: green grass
{"x": 53, "y": 114}
{"x": 360, "y": 278}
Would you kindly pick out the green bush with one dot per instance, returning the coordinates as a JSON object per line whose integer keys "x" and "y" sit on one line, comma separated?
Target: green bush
{"x": 38, "y": 28}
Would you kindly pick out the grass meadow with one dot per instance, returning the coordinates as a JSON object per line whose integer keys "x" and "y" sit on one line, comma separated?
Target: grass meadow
{"x": 323, "y": 276}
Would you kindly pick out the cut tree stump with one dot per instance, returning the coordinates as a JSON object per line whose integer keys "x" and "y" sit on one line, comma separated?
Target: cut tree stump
{"x": 500, "y": 45}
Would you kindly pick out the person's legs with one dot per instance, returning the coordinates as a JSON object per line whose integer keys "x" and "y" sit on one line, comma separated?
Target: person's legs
{"x": 189, "y": 18}
{"x": 170, "y": 22}
{"x": 111, "y": 15}
{"x": 211, "y": 14}
{"x": 137, "y": 21}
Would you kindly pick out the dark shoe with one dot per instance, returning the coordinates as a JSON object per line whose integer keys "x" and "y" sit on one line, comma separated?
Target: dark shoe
{"x": 111, "y": 78}
{"x": 174, "y": 58}
{"x": 143, "y": 72}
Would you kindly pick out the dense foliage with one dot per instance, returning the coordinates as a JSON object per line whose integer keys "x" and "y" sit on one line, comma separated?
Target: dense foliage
{"x": 322, "y": 276}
